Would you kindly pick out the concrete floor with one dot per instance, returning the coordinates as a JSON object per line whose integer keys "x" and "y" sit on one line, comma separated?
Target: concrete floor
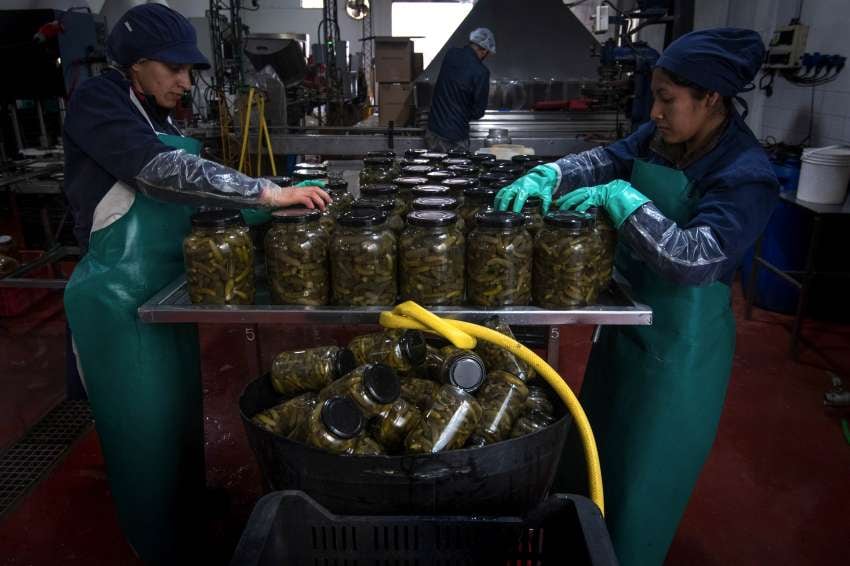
{"x": 774, "y": 490}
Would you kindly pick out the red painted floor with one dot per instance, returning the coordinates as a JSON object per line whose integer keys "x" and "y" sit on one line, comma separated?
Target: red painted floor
{"x": 774, "y": 491}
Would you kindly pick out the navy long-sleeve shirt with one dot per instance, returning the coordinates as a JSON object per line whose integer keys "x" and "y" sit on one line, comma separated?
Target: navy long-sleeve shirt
{"x": 461, "y": 94}
{"x": 106, "y": 139}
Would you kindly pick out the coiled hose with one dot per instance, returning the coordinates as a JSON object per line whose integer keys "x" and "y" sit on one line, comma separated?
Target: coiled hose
{"x": 410, "y": 315}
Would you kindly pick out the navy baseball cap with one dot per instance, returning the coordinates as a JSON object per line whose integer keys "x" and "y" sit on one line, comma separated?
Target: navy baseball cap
{"x": 154, "y": 31}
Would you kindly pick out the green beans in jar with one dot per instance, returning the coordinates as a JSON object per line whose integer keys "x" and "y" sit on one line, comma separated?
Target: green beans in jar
{"x": 564, "y": 276}
{"x": 502, "y": 401}
{"x": 373, "y": 387}
{"x": 498, "y": 261}
{"x": 376, "y": 170}
{"x": 458, "y": 185}
{"x": 296, "y": 250}
{"x": 419, "y": 391}
{"x": 538, "y": 400}
{"x": 402, "y": 350}
{"x": 311, "y": 369}
{"x": 392, "y": 425}
{"x": 498, "y": 358}
{"x": 363, "y": 260}
{"x": 605, "y": 235}
{"x": 453, "y": 417}
{"x": 532, "y": 211}
{"x": 386, "y": 208}
{"x": 431, "y": 256}
{"x": 290, "y": 418}
{"x": 219, "y": 259}
{"x": 444, "y": 204}
{"x": 530, "y": 422}
{"x": 405, "y": 185}
{"x": 475, "y": 200}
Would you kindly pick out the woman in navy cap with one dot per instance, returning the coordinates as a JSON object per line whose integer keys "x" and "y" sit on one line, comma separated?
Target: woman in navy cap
{"x": 689, "y": 192}
{"x": 130, "y": 176}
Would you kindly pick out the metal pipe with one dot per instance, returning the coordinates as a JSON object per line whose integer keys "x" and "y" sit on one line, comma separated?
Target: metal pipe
{"x": 16, "y": 128}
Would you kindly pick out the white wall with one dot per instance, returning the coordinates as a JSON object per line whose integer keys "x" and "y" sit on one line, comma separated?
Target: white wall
{"x": 785, "y": 115}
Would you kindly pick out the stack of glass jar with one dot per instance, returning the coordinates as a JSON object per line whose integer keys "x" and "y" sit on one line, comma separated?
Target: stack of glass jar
{"x": 392, "y": 393}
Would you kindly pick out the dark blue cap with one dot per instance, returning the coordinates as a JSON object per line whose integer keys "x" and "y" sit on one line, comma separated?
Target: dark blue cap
{"x": 154, "y": 31}
{"x": 724, "y": 60}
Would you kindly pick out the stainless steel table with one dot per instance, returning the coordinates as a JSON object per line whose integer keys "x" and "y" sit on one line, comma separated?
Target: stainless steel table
{"x": 172, "y": 305}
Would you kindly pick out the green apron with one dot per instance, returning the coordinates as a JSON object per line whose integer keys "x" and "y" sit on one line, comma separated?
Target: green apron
{"x": 143, "y": 380}
{"x": 654, "y": 394}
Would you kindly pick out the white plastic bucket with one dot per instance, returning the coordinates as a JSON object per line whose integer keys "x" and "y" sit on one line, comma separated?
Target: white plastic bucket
{"x": 824, "y": 175}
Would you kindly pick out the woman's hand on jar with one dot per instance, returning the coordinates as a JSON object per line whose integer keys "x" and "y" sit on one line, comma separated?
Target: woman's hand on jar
{"x": 310, "y": 196}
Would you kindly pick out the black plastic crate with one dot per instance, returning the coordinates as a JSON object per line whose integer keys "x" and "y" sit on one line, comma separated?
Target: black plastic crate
{"x": 290, "y": 528}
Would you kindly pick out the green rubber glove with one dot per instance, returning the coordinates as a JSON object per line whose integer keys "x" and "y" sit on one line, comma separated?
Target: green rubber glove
{"x": 311, "y": 183}
{"x": 541, "y": 181}
{"x": 619, "y": 198}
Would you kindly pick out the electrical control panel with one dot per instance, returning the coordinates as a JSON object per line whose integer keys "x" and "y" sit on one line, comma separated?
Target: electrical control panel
{"x": 786, "y": 47}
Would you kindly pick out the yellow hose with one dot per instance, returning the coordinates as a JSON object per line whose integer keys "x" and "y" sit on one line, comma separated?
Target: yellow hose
{"x": 464, "y": 334}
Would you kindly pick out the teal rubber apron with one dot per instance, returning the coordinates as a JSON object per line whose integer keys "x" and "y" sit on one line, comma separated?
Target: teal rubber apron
{"x": 143, "y": 380}
{"x": 654, "y": 394}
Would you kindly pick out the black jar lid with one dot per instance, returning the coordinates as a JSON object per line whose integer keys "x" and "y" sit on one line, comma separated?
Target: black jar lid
{"x": 430, "y": 191}
{"x": 361, "y": 217}
{"x": 499, "y": 219}
{"x": 457, "y": 161}
{"x": 508, "y": 167}
{"x": 384, "y": 205}
{"x": 480, "y": 194}
{"x": 381, "y": 189}
{"x": 314, "y": 166}
{"x": 336, "y": 184}
{"x": 408, "y": 161}
{"x": 439, "y": 175}
{"x": 482, "y": 157}
{"x": 342, "y": 417}
{"x": 413, "y": 346}
{"x": 308, "y": 174}
{"x": 467, "y": 372}
{"x": 523, "y": 159}
{"x": 463, "y": 170}
{"x": 434, "y": 156}
{"x": 415, "y": 152}
{"x": 568, "y": 219}
{"x": 281, "y": 180}
{"x": 344, "y": 362}
{"x": 461, "y": 153}
{"x": 434, "y": 203}
{"x": 296, "y": 215}
{"x": 416, "y": 170}
{"x": 377, "y": 161}
{"x": 381, "y": 383}
{"x": 217, "y": 218}
{"x": 431, "y": 218}
{"x": 411, "y": 181}
{"x": 459, "y": 182}
{"x": 381, "y": 153}
{"x": 495, "y": 180}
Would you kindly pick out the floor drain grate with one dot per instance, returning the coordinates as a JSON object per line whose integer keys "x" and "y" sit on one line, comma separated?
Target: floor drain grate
{"x": 24, "y": 463}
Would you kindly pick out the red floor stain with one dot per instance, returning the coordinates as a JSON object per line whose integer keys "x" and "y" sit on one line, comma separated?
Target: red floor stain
{"x": 774, "y": 490}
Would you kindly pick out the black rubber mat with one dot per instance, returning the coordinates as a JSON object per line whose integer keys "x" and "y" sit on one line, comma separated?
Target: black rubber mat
{"x": 24, "y": 463}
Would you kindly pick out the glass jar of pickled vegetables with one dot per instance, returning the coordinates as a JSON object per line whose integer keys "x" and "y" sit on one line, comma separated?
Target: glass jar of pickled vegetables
{"x": 530, "y": 423}
{"x": 431, "y": 259}
{"x": 502, "y": 401}
{"x": 605, "y": 236}
{"x": 392, "y": 425}
{"x": 374, "y": 387}
{"x": 538, "y": 400}
{"x": 434, "y": 157}
{"x": 527, "y": 162}
{"x": 532, "y": 211}
{"x": 437, "y": 176}
{"x": 458, "y": 154}
{"x": 335, "y": 425}
{"x": 462, "y": 170}
{"x": 564, "y": 276}
{"x": 296, "y": 249}
{"x": 387, "y": 154}
{"x": 480, "y": 161}
{"x": 401, "y": 350}
{"x": 445, "y": 204}
{"x": 458, "y": 185}
{"x": 390, "y": 209}
{"x": 452, "y": 418}
{"x": 429, "y": 191}
{"x": 419, "y": 391}
{"x": 475, "y": 200}
{"x": 415, "y": 153}
{"x": 498, "y": 261}
{"x": 219, "y": 259}
{"x": 313, "y": 174}
{"x": 288, "y": 419}
{"x": 312, "y": 369}
{"x": 405, "y": 185}
{"x": 494, "y": 180}
{"x": 416, "y": 168}
{"x": 376, "y": 170}
{"x": 363, "y": 260}
{"x": 387, "y": 192}
{"x": 498, "y": 358}
{"x": 450, "y": 161}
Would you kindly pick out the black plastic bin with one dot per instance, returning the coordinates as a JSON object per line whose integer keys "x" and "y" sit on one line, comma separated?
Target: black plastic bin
{"x": 289, "y": 527}
{"x": 506, "y": 478}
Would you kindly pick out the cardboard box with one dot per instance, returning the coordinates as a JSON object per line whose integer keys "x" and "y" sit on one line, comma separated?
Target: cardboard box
{"x": 393, "y": 59}
{"x": 395, "y": 103}
{"x": 417, "y": 65}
